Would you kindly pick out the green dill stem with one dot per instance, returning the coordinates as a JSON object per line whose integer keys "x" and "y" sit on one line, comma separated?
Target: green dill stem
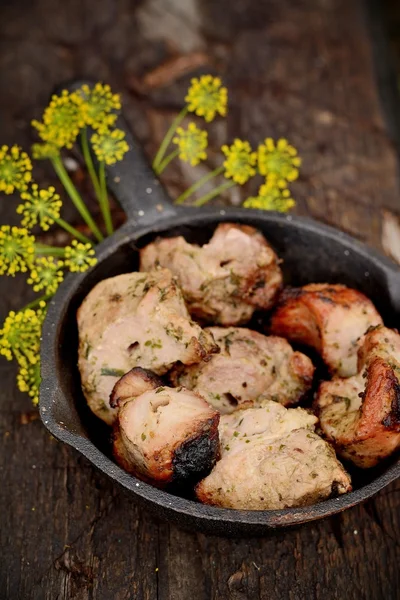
{"x": 82, "y": 238}
{"x": 89, "y": 163}
{"x": 44, "y": 250}
{"x": 75, "y": 196}
{"x": 181, "y": 199}
{"x": 38, "y": 301}
{"x": 166, "y": 161}
{"x": 168, "y": 137}
{"x": 218, "y": 190}
{"x": 104, "y": 202}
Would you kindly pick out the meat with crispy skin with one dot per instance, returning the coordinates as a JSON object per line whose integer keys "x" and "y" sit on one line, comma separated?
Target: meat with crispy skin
{"x": 250, "y": 369}
{"x": 330, "y": 318}
{"x": 166, "y": 435}
{"x": 137, "y": 319}
{"x": 225, "y": 280}
{"x": 360, "y": 415}
{"x": 271, "y": 458}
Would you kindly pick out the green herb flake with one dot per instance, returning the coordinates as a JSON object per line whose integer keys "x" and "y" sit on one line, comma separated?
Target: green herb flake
{"x": 109, "y": 372}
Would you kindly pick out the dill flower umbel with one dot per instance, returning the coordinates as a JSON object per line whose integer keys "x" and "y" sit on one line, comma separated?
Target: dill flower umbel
{"x": 240, "y": 161}
{"x": 46, "y": 275}
{"x": 206, "y": 97}
{"x": 20, "y": 334}
{"x": 98, "y": 104}
{"x": 62, "y": 120}
{"x": 17, "y": 250}
{"x": 79, "y": 257}
{"x": 41, "y": 206}
{"x": 192, "y": 143}
{"x": 44, "y": 151}
{"x": 278, "y": 162}
{"x": 109, "y": 146}
{"x": 15, "y": 169}
{"x": 271, "y": 197}
{"x": 28, "y": 379}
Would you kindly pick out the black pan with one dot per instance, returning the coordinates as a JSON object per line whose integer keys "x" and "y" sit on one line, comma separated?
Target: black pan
{"x": 312, "y": 252}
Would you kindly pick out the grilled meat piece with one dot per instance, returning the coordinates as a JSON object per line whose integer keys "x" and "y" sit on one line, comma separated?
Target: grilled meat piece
{"x": 166, "y": 435}
{"x": 360, "y": 415}
{"x": 250, "y": 369}
{"x": 271, "y": 458}
{"x": 225, "y": 280}
{"x": 134, "y": 383}
{"x": 137, "y": 319}
{"x": 330, "y": 318}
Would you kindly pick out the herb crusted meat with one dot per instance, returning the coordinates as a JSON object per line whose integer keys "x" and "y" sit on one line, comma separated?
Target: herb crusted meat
{"x": 360, "y": 415}
{"x": 137, "y": 319}
{"x": 224, "y": 281}
{"x": 330, "y": 318}
{"x": 271, "y": 458}
{"x": 165, "y": 435}
{"x": 250, "y": 369}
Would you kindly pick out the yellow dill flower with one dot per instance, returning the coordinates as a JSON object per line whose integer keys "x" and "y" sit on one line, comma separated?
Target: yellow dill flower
{"x": 240, "y": 161}
{"x": 62, "y": 120}
{"x": 206, "y": 97}
{"x": 271, "y": 197}
{"x": 98, "y": 104}
{"x": 15, "y": 169}
{"x": 79, "y": 257}
{"x": 41, "y": 206}
{"x": 44, "y": 151}
{"x": 28, "y": 379}
{"x": 192, "y": 144}
{"x": 20, "y": 334}
{"x": 46, "y": 274}
{"x": 109, "y": 146}
{"x": 17, "y": 250}
{"x": 278, "y": 162}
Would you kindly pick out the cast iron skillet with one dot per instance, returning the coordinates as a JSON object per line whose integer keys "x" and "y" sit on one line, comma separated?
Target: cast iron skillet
{"x": 312, "y": 252}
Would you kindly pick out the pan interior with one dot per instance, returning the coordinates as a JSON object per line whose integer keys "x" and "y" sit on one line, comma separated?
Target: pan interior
{"x": 308, "y": 256}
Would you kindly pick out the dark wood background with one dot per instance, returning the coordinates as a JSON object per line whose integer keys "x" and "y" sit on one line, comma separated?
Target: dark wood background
{"x": 312, "y": 70}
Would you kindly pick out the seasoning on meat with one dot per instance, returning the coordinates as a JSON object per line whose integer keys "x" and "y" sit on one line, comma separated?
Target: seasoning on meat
{"x": 271, "y": 458}
{"x": 137, "y": 319}
{"x": 167, "y": 435}
{"x": 360, "y": 415}
{"x": 134, "y": 383}
{"x": 250, "y": 369}
{"x": 330, "y": 318}
{"x": 225, "y": 280}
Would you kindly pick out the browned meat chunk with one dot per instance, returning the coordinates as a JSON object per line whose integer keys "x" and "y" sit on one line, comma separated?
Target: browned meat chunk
{"x": 330, "y": 318}
{"x": 360, "y": 415}
{"x": 225, "y": 280}
{"x": 271, "y": 459}
{"x": 134, "y": 383}
{"x": 137, "y": 319}
{"x": 250, "y": 369}
{"x": 166, "y": 435}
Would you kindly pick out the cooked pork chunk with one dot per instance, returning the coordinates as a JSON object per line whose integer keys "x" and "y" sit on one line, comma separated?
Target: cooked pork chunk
{"x": 250, "y": 369}
{"x": 330, "y": 318}
{"x": 134, "y": 383}
{"x": 360, "y": 415}
{"x": 167, "y": 435}
{"x": 137, "y": 319}
{"x": 270, "y": 459}
{"x": 225, "y": 280}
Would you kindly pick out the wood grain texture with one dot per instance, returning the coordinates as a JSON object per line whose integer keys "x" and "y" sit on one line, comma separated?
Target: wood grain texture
{"x": 302, "y": 69}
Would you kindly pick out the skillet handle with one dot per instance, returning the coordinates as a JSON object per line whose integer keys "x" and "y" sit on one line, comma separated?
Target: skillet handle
{"x": 135, "y": 185}
{"x": 132, "y": 180}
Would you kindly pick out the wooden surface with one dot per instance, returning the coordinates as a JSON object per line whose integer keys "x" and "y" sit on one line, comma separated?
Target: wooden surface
{"x": 303, "y": 69}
